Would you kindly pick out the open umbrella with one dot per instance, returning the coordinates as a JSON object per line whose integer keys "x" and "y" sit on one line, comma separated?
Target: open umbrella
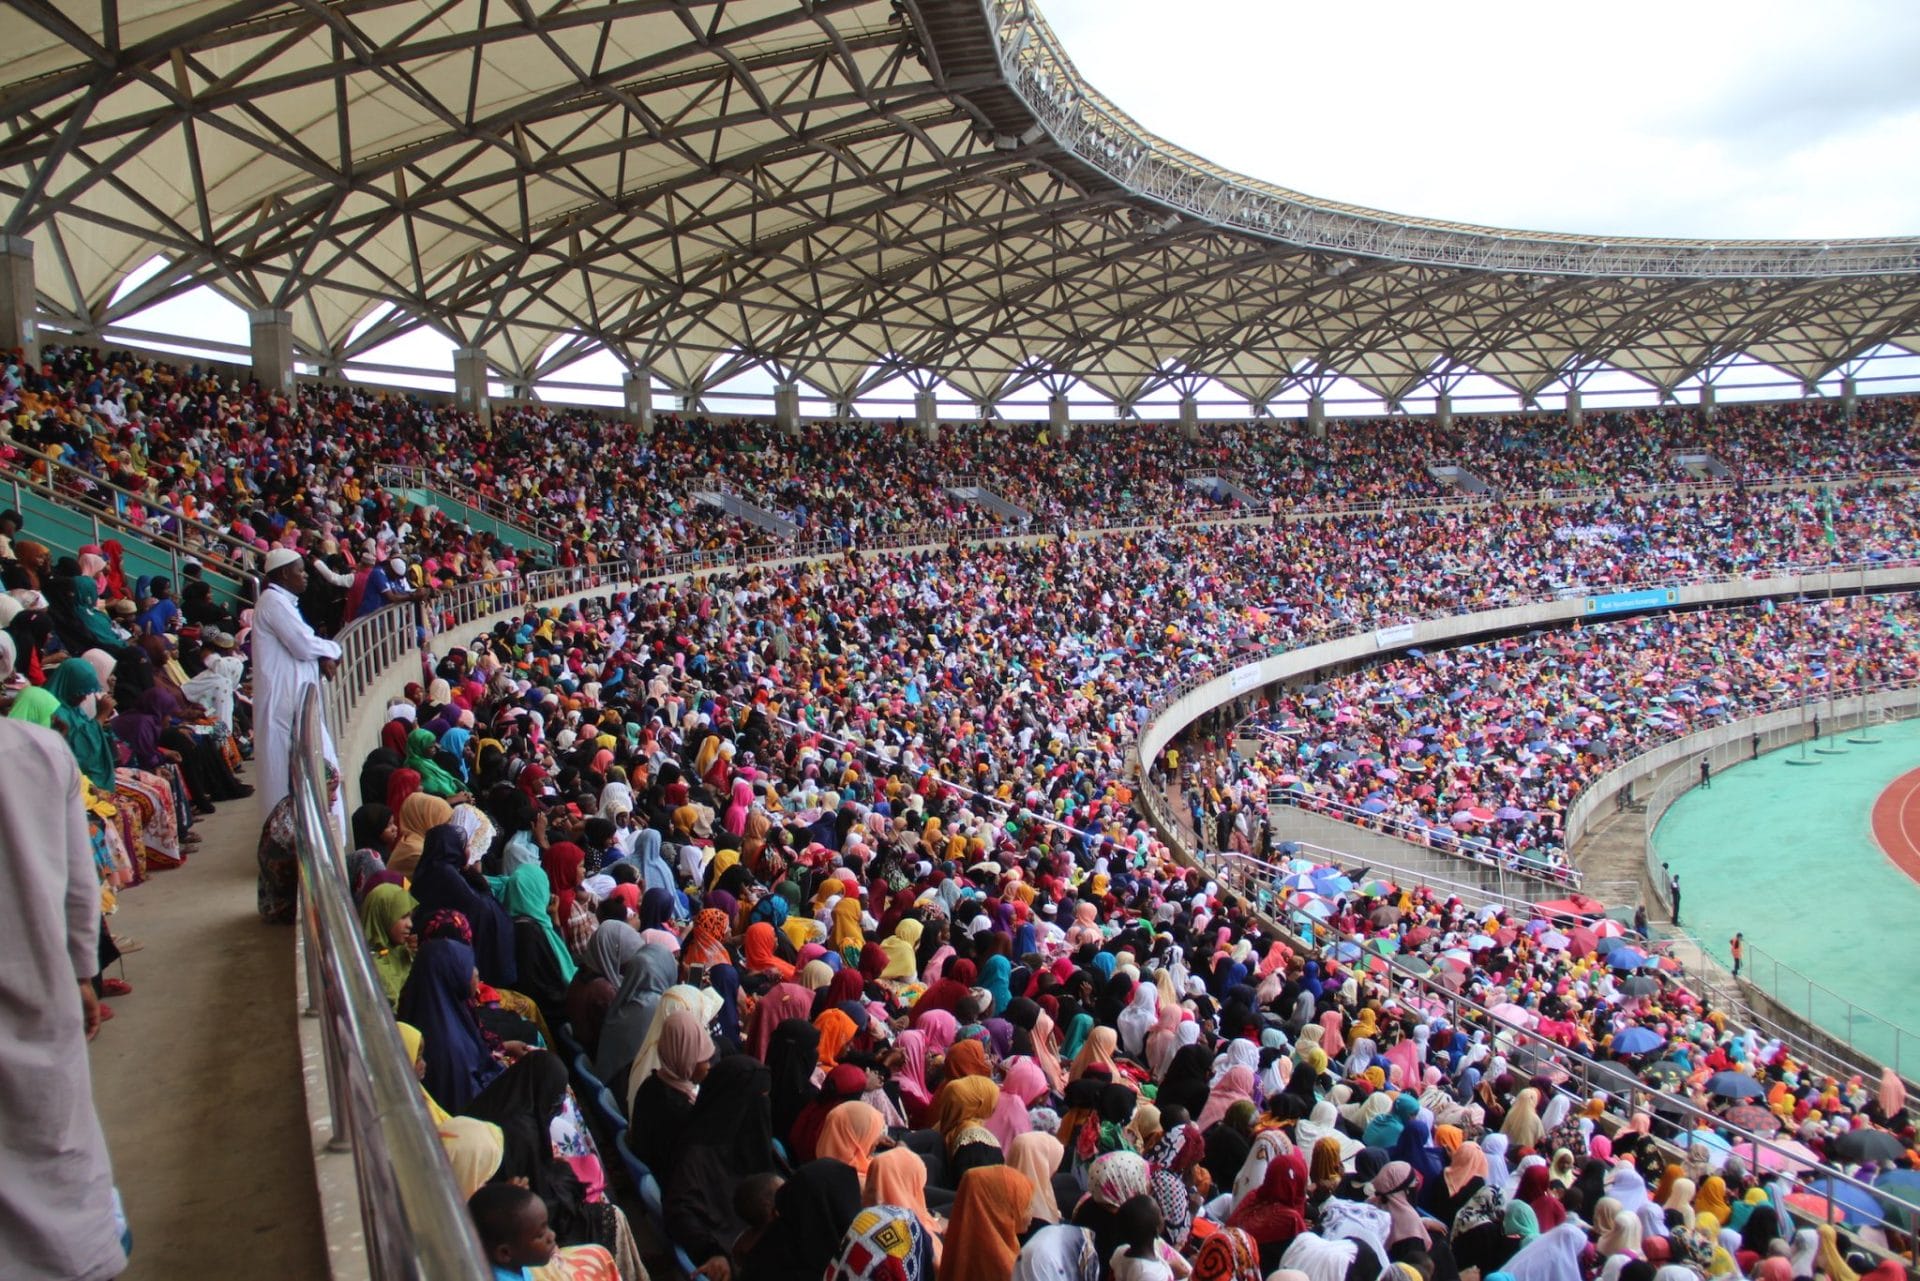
{"x": 1414, "y": 965}
{"x": 1606, "y": 945}
{"x": 1866, "y": 1145}
{"x": 1626, "y": 958}
{"x": 1614, "y": 1078}
{"x": 1738, "y": 1085}
{"x": 1640, "y": 985}
{"x": 1753, "y": 1118}
{"x": 1899, "y": 1192}
{"x": 1385, "y": 947}
{"x": 1508, "y": 1012}
{"x": 1856, "y": 1203}
{"x": 1581, "y": 941}
{"x": 1637, "y": 1040}
{"x": 1555, "y": 940}
{"x": 1791, "y": 1156}
{"x": 1346, "y": 951}
{"x": 1384, "y": 917}
{"x": 1375, "y": 887}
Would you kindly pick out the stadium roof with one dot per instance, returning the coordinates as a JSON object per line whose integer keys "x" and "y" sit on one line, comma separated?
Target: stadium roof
{"x": 844, "y": 190}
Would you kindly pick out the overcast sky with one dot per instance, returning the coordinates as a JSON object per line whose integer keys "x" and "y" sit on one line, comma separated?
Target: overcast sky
{"x": 1735, "y": 118}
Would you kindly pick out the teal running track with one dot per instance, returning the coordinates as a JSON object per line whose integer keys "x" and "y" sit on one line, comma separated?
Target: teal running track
{"x": 1786, "y": 854}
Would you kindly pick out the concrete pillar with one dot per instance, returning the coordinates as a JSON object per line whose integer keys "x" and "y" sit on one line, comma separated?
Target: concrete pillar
{"x": 1706, "y": 400}
{"x": 843, "y": 410}
{"x": 926, "y": 415}
{"x": 272, "y": 335}
{"x": 19, "y": 325}
{"x": 1443, "y": 411}
{"x": 1317, "y": 416}
{"x": 470, "y": 382}
{"x": 1190, "y": 417}
{"x": 1573, "y": 407}
{"x": 1849, "y": 395}
{"x": 786, "y": 408}
{"x": 636, "y": 390}
{"x": 1059, "y": 419}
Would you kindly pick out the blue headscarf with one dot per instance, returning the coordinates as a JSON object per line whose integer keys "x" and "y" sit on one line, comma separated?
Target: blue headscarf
{"x": 454, "y": 743}
{"x": 436, "y": 1000}
{"x": 726, "y": 981}
{"x": 439, "y": 881}
{"x": 993, "y": 977}
{"x": 1104, "y": 962}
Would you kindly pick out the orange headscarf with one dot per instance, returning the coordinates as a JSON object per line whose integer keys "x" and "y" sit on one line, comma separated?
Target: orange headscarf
{"x": 849, "y": 1135}
{"x": 989, "y": 1213}
{"x": 1098, "y": 1051}
{"x": 760, "y": 956}
{"x": 899, "y": 1177}
{"x": 836, "y": 1030}
{"x": 968, "y": 1058}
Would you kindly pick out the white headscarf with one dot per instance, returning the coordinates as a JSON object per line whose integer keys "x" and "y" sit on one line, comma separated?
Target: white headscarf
{"x": 1137, "y": 1019}
{"x": 1494, "y": 1148}
{"x": 1552, "y": 1256}
{"x": 1319, "y": 1258}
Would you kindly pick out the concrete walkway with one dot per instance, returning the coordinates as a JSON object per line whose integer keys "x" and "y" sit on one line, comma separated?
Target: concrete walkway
{"x": 197, "y": 1076}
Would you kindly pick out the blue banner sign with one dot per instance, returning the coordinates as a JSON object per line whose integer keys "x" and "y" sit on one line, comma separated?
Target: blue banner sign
{"x": 1621, "y": 602}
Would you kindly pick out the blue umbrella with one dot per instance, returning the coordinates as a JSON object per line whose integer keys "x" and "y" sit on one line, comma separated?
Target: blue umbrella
{"x": 1637, "y": 1040}
{"x": 1373, "y": 805}
{"x": 1626, "y": 958}
{"x": 1735, "y": 1085}
{"x": 1860, "y": 1205}
{"x": 1346, "y": 951}
{"x": 1899, "y": 1191}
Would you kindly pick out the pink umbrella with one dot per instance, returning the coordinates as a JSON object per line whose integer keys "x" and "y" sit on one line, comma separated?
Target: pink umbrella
{"x": 1785, "y": 1154}
{"x": 1508, "y": 1012}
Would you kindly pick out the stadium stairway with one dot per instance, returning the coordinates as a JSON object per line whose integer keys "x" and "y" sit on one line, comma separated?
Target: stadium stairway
{"x": 1219, "y": 485}
{"x": 1460, "y": 478}
{"x": 718, "y": 495}
{"x": 1009, "y": 513}
{"x": 65, "y": 523}
{"x": 1703, "y": 466}
{"x": 476, "y": 511}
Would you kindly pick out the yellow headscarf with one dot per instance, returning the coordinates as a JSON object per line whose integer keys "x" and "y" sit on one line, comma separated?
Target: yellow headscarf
{"x": 846, "y": 930}
{"x": 412, "y": 1040}
{"x": 474, "y": 1148}
{"x": 901, "y": 962}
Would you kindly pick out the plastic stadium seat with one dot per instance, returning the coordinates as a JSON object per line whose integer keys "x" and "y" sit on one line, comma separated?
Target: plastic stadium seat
{"x": 563, "y": 1036}
{"x": 583, "y": 1076}
{"x": 649, "y": 1189}
{"x": 609, "y": 1108}
{"x": 780, "y": 1157}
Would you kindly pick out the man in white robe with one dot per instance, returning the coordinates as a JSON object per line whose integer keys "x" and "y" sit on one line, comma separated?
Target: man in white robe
{"x": 57, "y": 1219}
{"x": 288, "y": 656}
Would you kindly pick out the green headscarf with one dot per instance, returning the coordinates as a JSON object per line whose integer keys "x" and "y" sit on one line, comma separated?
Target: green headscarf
{"x": 434, "y": 781}
{"x": 384, "y": 906}
{"x": 35, "y": 706}
{"x": 86, "y": 595}
{"x": 92, "y": 746}
{"x": 1520, "y": 1221}
{"x": 1077, "y": 1034}
{"x": 525, "y": 892}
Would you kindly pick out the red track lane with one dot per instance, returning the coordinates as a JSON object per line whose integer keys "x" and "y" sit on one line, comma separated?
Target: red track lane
{"x": 1896, "y": 822}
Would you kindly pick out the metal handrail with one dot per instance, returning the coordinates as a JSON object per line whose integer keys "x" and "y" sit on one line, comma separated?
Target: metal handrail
{"x": 237, "y": 554}
{"x": 415, "y": 1222}
{"x": 425, "y": 478}
{"x": 1473, "y": 848}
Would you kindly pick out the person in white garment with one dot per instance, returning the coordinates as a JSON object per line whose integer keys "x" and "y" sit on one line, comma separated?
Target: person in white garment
{"x": 288, "y": 656}
{"x": 58, "y": 1220}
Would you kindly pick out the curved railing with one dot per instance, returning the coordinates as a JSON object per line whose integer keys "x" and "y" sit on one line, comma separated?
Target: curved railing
{"x": 414, "y": 1224}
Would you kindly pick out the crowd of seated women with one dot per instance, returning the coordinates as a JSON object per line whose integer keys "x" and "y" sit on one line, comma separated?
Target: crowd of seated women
{"x": 146, "y": 691}
{"x": 838, "y": 887}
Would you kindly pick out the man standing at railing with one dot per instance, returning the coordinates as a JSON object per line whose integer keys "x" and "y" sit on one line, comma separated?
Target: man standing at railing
{"x": 288, "y": 656}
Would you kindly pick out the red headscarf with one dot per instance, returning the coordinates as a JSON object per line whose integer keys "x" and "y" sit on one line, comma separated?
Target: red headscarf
{"x": 401, "y": 784}
{"x": 562, "y": 862}
{"x": 1276, "y": 1212}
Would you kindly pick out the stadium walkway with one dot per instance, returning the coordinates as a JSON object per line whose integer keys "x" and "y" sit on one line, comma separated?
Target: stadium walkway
{"x": 197, "y": 1077}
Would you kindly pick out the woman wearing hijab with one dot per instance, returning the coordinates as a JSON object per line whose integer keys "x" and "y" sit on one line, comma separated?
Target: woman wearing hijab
{"x": 1415, "y": 1146}
{"x": 423, "y": 758}
{"x": 886, "y": 1242}
{"x": 597, "y": 981}
{"x": 386, "y": 922}
{"x": 417, "y": 815}
{"x": 645, "y": 975}
{"x": 990, "y": 1211}
{"x": 1536, "y": 1190}
{"x": 960, "y": 1113}
{"x": 543, "y": 967}
{"x": 849, "y": 1135}
{"x": 437, "y": 999}
{"x": 1187, "y": 1083}
{"x": 441, "y": 882}
{"x": 1039, "y": 1157}
{"x": 726, "y": 1139}
{"x": 1554, "y": 1255}
{"x": 812, "y": 1211}
{"x": 898, "y": 1176}
{"x": 666, "y": 1098}
{"x": 1275, "y": 1212}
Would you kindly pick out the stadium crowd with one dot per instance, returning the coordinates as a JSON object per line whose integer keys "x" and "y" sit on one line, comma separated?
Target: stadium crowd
{"x": 833, "y": 875}
{"x": 1488, "y": 745}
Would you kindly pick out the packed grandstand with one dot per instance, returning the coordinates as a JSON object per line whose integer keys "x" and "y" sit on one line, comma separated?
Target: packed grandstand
{"x": 849, "y": 848}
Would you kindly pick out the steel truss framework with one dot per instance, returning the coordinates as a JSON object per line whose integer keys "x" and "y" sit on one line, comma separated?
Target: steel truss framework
{"x": 843, "y": 191}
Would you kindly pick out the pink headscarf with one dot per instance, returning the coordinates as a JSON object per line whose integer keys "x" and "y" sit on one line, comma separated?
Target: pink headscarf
{"x": 1236, "y": 1085}
{"x": 1023, "y": 1085}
